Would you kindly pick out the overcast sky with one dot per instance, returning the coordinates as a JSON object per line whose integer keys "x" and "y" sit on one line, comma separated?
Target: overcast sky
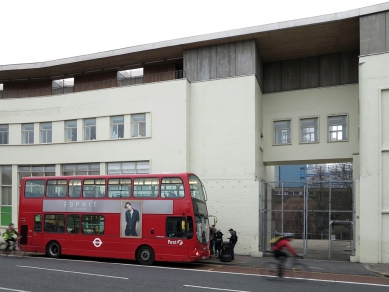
{"x": 43, "y": 30}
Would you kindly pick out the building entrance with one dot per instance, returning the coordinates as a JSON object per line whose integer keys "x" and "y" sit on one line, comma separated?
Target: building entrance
{"x": 320, "y": 214}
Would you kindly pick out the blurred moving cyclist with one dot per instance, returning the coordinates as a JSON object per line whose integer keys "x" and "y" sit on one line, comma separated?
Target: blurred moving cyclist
{"x": 9, "y": 235}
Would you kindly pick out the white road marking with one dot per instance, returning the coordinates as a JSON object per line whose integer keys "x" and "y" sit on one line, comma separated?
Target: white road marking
{"x": 209, "y": 288}
{"x": 72, "y": 272}
{"x": 8, "y": 289}
{"x": 218, "y": 272}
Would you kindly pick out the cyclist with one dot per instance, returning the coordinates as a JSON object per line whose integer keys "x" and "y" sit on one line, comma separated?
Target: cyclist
{"x": 9, "y": 235}
{"x": 279, "y": 253}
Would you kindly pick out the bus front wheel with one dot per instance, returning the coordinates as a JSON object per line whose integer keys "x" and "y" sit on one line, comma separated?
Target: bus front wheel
{"x": 53, "y": 249}
{"x": 145, "y": 255}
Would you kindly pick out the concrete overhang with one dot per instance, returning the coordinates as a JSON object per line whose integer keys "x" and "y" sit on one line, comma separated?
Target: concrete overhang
{"x": 278, "y": 41}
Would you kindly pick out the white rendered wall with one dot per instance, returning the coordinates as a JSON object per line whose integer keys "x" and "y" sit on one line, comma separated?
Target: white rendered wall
{"x": 374, "y": 158}
{"x": 318, "y": 102}
{"x": 224, "y": 152}
{"x": 165, "y": 144}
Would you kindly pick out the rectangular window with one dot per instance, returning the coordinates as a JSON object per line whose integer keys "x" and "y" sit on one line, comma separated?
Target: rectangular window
{"x": 92, "y": 224}
{"x": 74, "y": 188}
{"x": 81, "y": 169}
{"x": 175, "y": 227}
{"x": 146, "y": 187}
{"x": 55, "y": 223}
{"x": 128, "y": 167}
{"x": 309, "y": 130}
{"x": 5, "y": 195}
{"x": 172, "y": 187}
{"x": 56, "y": 188}
{"x": 94, "y": 188}
{"x": 34, "y": 189}
{"x": 117, "y": 127}
{"x": 28, "y": 134}
{"x": 138, "y": 125}
{"x": 282, "y": 132}
{"x": 89, "y": 129}
{"x": 119, "y": 188}
{"x": 36, "y": 170}
{"x": 337, "y": 128}
{"x": 38, "y": 223}
{"x": 73, "y": 224}
{"x": 71, "y": 131}
{"x": 4, "y": 134}
{"x": 45, "y": 132}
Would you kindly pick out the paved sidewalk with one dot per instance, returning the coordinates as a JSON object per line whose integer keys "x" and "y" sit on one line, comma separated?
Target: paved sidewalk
{"x": 320, "y": 266}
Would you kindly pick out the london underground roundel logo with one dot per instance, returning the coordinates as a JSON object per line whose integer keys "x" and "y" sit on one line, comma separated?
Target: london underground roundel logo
{"x": 97, "y": 242}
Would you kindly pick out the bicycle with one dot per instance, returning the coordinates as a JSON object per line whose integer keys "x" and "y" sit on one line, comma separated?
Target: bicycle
{"x": 290, "y": 267}
{"x": 15, "y": 248}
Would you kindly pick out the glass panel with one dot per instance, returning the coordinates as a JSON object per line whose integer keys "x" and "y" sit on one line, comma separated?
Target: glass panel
{"x": 90, "y": 122}
{"x": 74, "y": 188}
{"x": 196, "y": 188}
{"x": 282, "y": 125}
{"x": 6, "y": 178}
{"x": 305, "y": 123}
{"x": 34, "y": 189}
{"x": 175, "y": 227}
{"x": 45, "y": 126}
{"x": 139, "y": 118}
{"x": 27, "y": 127}
{"x": 6, "y": 196}
{"x": 142, "y": 167}
{"x": 172, "y": 188}
{"x": 113, "y": 168}
{"x": 92, "y": 224}
{"x": 117, "y": 120}
{"x": 56, "y": 188}
{"x": 55, "y": 223}
{"x": 73, "y": 224}
{"x": 71, "y": 124}
{"x": 38, "y": 223}
{"x": 128, "y": 167}
{"x": 146, "y": 187}
{"x": 338, "y": 120}
{"x": 119, "y": 188}
{"x": 94, "y": 166}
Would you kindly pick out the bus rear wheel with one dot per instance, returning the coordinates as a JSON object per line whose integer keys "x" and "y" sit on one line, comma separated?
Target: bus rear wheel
{"x": 53, "y": 249}
{"x": 145, "y": 255}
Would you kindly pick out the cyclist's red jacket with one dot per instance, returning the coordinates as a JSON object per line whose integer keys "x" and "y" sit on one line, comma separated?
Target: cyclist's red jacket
{"x": 283, "y": 243}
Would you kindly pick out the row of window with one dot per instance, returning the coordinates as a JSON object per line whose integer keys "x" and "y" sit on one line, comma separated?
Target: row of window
{"x": 138, "y": 129}
{"x": 49, "y": 170}
{"x": 111, "y": 188}
{"x": 95, "y": 224}
{"x": 309, "y": 130}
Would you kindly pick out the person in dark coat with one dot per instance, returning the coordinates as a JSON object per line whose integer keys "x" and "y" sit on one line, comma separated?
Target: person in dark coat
{"x": 132, "y": 220}
{"x": 218, "y": 242}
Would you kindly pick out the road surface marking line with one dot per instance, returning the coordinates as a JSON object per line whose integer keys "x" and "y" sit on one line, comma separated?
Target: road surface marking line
{"x": 220, "y": 289}
{"x": 72, "y": 272}
{"x": 219, "y": 272}
{"x": 8, "y": 289}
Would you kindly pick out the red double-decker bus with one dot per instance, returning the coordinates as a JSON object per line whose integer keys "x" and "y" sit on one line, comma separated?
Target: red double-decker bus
{"x": 148, "y": 217}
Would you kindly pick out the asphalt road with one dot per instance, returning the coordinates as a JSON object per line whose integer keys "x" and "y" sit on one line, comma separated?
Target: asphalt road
{"x": 41, "y": 274}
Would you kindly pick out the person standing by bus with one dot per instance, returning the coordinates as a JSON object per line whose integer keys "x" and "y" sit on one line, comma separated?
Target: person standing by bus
{"x": 9, "y": 235}
{"x": 132, "y": 220}
{"x": 233, "y": 240}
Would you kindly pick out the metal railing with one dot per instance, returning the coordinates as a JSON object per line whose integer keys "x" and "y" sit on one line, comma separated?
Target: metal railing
{"x": 94, "y": 85}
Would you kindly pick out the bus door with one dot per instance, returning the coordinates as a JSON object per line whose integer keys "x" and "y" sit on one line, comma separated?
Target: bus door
{"x": 177, "y": 244}
{"x": 35, "y": 237}
{"x": 92, "y": 236}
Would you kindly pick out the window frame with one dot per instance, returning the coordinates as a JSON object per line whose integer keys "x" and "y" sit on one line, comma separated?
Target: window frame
{"x": 116, "y": 126}
{"x": 136, "y": 126}
{"x": 4, "y": 134}
{"x": 88, "y": 130}
{"x": 317, "y": 130}
{"x": 275, "y": 131}
{"x": 71, "y": 130}
{"x": 48, "y": 133}
{"x": 27, "y": 133}
{"x": 346, "y": 125}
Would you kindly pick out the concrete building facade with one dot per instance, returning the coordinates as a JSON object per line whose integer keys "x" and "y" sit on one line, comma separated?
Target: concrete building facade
{"x": 227, "y": 106}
